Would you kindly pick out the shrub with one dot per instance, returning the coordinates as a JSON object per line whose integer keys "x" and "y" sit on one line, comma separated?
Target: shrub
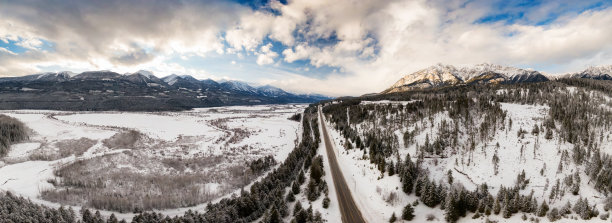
{"x": 326, "y": 202}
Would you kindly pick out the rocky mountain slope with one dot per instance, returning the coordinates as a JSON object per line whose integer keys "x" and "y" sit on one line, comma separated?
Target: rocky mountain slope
{"x": 597, "y": 73}
{"x": 139, "y": 91}
{"x": 448, "y": 75}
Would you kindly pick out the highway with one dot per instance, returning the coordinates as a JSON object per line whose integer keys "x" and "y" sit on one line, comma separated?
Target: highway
{"x": 348, "y": 209}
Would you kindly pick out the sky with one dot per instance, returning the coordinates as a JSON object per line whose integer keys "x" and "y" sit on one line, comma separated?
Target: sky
{"x": 336, "y": 48}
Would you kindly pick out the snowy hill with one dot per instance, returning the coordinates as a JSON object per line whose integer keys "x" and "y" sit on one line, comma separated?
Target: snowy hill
{"x": 500, "y": 153}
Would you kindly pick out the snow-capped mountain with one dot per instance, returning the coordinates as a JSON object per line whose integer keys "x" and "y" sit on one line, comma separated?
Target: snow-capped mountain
{"x": 441, "y": 75}
{"x": 271, "y": 91}
{"x": 239, "y": 86}
{"x": 143, "y": 77}
{"x": 594, "y": 72}
{"x": 141, "y": 90}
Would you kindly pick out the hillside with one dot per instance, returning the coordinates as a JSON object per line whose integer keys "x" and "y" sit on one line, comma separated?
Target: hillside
{"x": 507, "y": 153}
{"x": 140, "y": 91}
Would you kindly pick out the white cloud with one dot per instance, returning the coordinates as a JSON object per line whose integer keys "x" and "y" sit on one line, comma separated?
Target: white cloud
{"x": 372, "y": 43}
{"x": 5, "y": 50}
{"x": 266, "y": 55}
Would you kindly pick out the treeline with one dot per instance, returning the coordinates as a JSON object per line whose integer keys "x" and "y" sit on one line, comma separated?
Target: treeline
{"x": 15, "y": 209}
{"x": 11, "y": 131}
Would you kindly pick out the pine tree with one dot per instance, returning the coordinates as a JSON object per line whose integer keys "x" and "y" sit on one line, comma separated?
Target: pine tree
{"x": 543, "y": 209}
{"x": 86, "y": 215}
{"x": 301, "y": 177}
{"x": 290, "y": 197}
{"x": 393, "y": 218}
{"x": 408, "y": 213}
{"x": 326, "y": 202}
{"x": 391, "y": 169}
{"x": 274, "y": 217}
{"x": 407, "y": 182}
{"x": 451, "y": 212}
{"x": 297, "y": 208}
{"x": 295, "y": 188}
{"x": 507, "y": 209}
{"x": 549, "y": 134}
{"x": 553, "y": 215}
{"x": 112, "y": 219}
{"x": 496, "y": 207}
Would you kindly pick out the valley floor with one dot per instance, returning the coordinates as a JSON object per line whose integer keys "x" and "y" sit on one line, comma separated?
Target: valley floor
{"x": 212, "y": 145}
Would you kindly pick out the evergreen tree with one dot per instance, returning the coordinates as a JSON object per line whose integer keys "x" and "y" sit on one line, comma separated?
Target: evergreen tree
{"x": 112, "y": 219}
{"x": 274, "y": 217}
{"x": 393, "y": 218}
{"x": 301, "y": 177}
{"x": 326, "y": 202}
{"x": 408, "y": 213}
{"x": 496, "y": 207}
{"x": 295, "y": 188}
{"x": 290, "y": 197}
{"x": 543, "y": 209}
{"x": 450, "y": 208}
{"x": 391, "y": 168}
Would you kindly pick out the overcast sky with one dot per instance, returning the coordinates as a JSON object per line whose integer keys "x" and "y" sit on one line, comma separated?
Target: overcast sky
{"x": 333, "y": 47}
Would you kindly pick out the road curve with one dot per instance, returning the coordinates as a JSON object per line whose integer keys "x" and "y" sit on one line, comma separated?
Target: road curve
{"x": 348, "y": 209}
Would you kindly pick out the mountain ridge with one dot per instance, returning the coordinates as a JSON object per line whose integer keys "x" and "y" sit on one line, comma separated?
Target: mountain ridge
{"x": 138, "y": 91}
{"x": 441, "y": 75}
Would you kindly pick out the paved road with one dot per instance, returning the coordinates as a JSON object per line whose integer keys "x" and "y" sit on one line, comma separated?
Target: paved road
{"x": 348, "y": 209}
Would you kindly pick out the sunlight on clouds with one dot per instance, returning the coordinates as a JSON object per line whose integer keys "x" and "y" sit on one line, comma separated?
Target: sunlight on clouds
{"x": 361, "y": 46}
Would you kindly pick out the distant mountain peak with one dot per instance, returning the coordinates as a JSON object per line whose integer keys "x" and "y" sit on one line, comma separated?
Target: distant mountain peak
{"x": 145, "y": 73}
{"x": 594, "y": 72}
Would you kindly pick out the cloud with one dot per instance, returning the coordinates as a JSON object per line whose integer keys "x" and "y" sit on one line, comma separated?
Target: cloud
{"x": 266, "y": 55}
{"x": 133, "y": 58}
{"x": 96, "y": 32}
{"x": 7, "y": 51}
{"x": 341, "y": 47}
{"x": 377, "y": 46}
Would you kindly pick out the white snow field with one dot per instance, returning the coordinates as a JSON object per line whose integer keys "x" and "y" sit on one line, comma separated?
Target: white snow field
{"x": 217, "y": 141}
{"x": 540, "y": 160}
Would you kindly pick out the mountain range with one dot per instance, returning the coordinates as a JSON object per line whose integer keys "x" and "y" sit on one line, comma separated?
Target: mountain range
{"x": 139, "y": 91}
{"x": 441, "y": 75}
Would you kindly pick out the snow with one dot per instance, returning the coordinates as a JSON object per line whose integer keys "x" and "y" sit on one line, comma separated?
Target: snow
{"x": 171, "y": 80}
{"x": 21, "y": 150}
{"x": 440, "y": 74}
{"x": 145, "y": 73}
{"x": 332, "y": 213}
{"x": 241, "y": 86}
{"x": 363, "y": 181}
{"x": 370, "y": 188}
{"x": 187, "y": 133}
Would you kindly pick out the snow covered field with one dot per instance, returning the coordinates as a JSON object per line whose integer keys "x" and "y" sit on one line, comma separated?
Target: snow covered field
{"x": 215, "y": 142}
